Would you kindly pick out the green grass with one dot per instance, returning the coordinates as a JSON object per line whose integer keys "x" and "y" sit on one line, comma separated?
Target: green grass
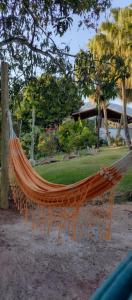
{"x": 70, "y": 171}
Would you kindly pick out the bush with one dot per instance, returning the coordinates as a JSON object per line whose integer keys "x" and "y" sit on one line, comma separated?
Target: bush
{"x": 103, "y": 142}
{"x": 48, "y": 144}
{"x": 75, "y": 136}
{"x": 70, "y": 136}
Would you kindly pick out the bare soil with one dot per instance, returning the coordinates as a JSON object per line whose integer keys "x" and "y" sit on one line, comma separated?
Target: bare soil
{"x": 34, "y": 267}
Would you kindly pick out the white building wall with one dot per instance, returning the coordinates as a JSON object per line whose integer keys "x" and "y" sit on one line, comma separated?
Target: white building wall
{"x": 113, "y": 132}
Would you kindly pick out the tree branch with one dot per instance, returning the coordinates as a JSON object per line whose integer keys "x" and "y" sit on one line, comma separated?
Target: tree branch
{"x": 24, "y": 41}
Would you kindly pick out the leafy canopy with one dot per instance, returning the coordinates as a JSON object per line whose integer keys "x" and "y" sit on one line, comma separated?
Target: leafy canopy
{"x": 98, "y": 75}
{"x": 28, "y": 30}
{"x": 53, "y": 98}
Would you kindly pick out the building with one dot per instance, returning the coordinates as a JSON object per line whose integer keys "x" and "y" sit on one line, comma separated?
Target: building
{"x": 114, "y": 113}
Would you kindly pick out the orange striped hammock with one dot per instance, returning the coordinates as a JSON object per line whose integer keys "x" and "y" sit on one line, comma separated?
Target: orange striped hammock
{"x": 82, "y": 209}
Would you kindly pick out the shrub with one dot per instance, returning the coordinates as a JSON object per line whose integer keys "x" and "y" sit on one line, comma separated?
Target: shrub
{"x": 26, "y": 142}
{"x": 75, "y": 135}
{"x": 70, "y": 136}
{"x": 48, "y": 144}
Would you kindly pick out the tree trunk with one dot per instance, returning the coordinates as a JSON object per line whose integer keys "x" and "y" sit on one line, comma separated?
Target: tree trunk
{"x": 32, "y": 135}
{"x": 0, "y": 135}
{"x": 106, "y": 124}
{"x": 126, "y": 129}
{"x": 119, "y": 128}
{"x": 98, "y": 125}
{"x": 4, "y": 203}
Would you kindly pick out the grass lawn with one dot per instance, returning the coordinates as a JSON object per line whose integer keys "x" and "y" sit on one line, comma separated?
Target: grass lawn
{"x": 70, "y": 171}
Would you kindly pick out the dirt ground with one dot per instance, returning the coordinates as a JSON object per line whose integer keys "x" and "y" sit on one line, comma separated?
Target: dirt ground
{"x": 33, "y": 267}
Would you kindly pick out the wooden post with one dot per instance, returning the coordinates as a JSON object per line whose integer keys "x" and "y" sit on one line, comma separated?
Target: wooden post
{"x": 4, "y": 203}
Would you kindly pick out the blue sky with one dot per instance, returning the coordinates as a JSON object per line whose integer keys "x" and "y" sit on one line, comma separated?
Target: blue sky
{"x": 78, "y": 38}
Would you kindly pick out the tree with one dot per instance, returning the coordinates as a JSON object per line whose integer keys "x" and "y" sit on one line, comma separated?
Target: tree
{"x": 97, "y": 81}
{"x": 114, "y": 38}
{"x": 53, "y": 99}
{"x": 28, "y": 29}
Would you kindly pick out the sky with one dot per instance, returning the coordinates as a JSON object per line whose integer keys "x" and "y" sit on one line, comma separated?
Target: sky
{"x": 78, "y": 38}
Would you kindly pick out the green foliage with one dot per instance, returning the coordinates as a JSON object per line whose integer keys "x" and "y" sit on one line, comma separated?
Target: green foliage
{"x": 26, "y": 141}
{"x": 114, "y": 39}
{"x": 70, "y": 136}
{"x": 84, "y": 69}
{"x": 47, "y": 145}
{"x": 75, "y": 135}
{"x": 98, "y": 75}
{"x": 53, "y": 98}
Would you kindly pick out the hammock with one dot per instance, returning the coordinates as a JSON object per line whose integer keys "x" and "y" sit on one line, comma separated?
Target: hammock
{"x": 56, "y": 205}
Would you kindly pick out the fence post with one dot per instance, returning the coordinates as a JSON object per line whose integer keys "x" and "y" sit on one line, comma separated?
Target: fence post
{"x": 4, "y": 203}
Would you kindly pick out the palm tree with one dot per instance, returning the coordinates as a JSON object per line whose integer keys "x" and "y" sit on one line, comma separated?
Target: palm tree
{"x": 102, "y": 77}
{"x": 114, "y": 38}
{"x": 98, "y": 98}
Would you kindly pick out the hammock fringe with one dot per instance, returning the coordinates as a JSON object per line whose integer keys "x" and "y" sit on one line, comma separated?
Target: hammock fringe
{"x": 91, "y": 221}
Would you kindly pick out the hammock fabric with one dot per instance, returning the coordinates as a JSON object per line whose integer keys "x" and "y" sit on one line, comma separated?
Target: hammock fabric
{"x": 62, "y": 204}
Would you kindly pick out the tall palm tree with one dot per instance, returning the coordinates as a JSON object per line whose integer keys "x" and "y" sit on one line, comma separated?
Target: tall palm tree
{"x": 102, "y": 73}
{"x": 114, "y": 38}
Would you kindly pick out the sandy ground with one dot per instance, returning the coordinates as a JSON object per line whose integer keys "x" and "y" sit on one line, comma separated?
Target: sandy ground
{"x": 33, "y": 267}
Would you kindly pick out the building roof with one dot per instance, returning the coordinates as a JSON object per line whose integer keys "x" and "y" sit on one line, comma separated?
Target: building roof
{"x": 114, "y": 112}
